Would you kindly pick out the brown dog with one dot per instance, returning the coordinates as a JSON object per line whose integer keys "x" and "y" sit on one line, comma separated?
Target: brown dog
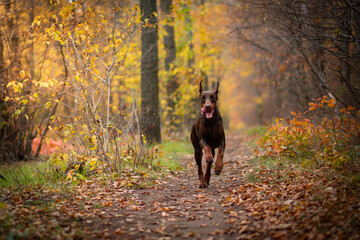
{"x": 208, "y": 133}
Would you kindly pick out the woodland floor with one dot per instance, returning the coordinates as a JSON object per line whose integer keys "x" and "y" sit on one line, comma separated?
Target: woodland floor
{"x": 245, "y": 201}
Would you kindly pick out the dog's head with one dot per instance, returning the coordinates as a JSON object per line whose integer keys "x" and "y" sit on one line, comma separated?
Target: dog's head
{"x": 208, "y": 101}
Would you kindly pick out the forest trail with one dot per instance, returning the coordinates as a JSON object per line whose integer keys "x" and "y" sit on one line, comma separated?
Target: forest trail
{"x": 176, "y": 208}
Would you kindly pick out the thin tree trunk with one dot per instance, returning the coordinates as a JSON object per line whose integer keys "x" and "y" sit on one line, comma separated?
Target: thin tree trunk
{"x": 31, "y": 19}
{"x": 189, "y": 120}
{"x": 53, "y": 111}
{"x": 169, "y": 38}
{"x": 190, "y": 37}
{"x": 30, "y": 131}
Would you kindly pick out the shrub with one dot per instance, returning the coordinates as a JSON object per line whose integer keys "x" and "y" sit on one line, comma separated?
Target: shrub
{"x": 331, "y": 139}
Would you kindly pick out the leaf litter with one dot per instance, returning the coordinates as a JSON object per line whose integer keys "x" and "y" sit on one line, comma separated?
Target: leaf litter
{"x": 287, "y": 202}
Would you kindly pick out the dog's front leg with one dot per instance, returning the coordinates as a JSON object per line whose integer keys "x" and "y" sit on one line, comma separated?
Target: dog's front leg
{"x": 209, "y": 157}
{"x": 208, "y": 168}
{"x": 198, "y": 156}
{"x": 220, "y": 155}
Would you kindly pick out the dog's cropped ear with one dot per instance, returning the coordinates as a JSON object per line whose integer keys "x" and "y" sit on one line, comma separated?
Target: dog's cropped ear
{"x": 217, "y": 88}
{"x": 200, "y": 89}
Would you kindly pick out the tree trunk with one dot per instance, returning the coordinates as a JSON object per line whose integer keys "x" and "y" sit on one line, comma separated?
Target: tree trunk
{"x": 2, "y": 66}
{"x": 31, "y": 50}
{"x": 14, "y": 35}
{"x": 2, "y": 96}
{"x": 188, "y": 20}
{"x": 192, "y": 113}
{"x": 169, "y": 38}
{"x": 15, "y": 132}
{"x": 170, "y": 49}
{"x": 150, "y": 119}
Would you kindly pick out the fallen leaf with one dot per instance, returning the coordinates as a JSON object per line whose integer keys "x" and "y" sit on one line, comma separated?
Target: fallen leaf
{"x": 231, "y": 220}
{"x": 3, "y": 205}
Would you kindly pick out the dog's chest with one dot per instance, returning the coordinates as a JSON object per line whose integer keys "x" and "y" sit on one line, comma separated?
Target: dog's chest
{"x": 212, "y": 136}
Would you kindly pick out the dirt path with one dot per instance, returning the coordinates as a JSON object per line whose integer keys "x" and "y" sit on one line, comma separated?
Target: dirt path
{"x": 177, "y": 209}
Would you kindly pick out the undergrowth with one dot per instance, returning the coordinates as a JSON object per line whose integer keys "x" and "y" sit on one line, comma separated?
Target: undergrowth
{"x": 70, "y": 168}
{"x": 27, "y": 173}
{"x": 324, "y": 136}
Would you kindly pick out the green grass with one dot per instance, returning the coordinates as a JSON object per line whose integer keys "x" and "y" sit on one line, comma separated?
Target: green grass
{"x": 259, "y": 163}
{"x": 252, "y": 178}
{"x": 173, "y": 150}
{"x": 268, "y": 162}
{"x": 24, "y": 173}
{"x": 257, "y": 131}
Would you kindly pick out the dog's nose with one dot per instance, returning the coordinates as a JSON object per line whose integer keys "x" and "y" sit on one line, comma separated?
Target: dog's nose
{"x": 207, "y": 104}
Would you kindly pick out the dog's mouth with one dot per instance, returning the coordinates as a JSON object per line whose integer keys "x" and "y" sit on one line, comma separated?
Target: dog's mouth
{"x": 208, "y": 112}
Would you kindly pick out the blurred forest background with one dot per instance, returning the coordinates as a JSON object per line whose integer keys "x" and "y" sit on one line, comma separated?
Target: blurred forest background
{"x": 94, "y": 76}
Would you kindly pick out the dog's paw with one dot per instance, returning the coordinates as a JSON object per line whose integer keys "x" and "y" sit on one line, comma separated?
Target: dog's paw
{"x": 209, "y": 158}
{"x": 203, "y": 185}
{"x": 218, "y": 170}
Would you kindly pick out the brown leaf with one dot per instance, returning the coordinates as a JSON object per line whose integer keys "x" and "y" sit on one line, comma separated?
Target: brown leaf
{"x": 231, "y": 220}
{"x": 241, "y": 230}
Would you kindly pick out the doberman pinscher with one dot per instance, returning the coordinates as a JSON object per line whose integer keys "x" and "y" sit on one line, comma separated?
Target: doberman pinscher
{"x": 208, "y": 133}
